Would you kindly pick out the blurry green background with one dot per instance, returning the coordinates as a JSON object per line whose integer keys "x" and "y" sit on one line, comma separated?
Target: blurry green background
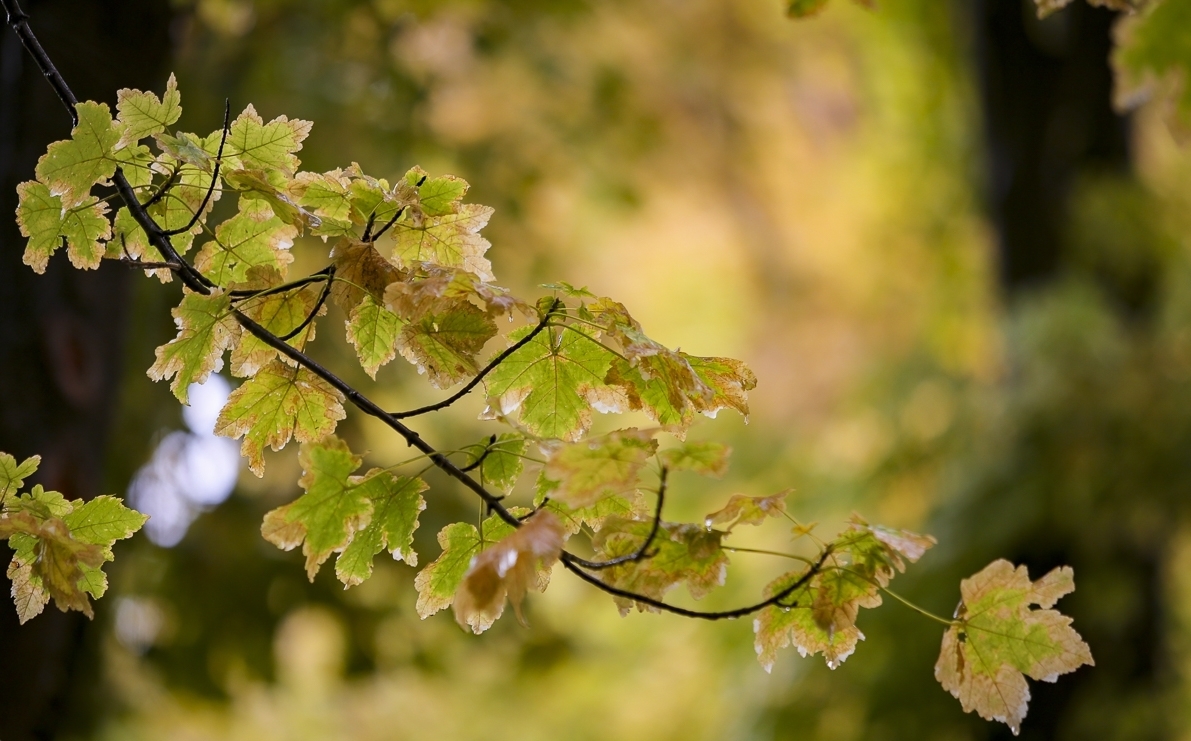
{"x": 818, "y": 198}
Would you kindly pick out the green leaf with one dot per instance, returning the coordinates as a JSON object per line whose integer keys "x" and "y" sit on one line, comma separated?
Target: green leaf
{"x": 592, "y": 469}
{"x": 254, "y": 144}
{"x": 276, "y": 405}
{"x": 39, "y": 216}
{"x": 254, "y": 237}
{"x": 998, "y": 640}
{"x": 437, "y": 196}
{"x": 501, "y": 461}
{"x": 553, "y": 382}
{"x": 682, "y": 554}
{"x": 329, "y": 196}
{"x": 129, "y": 240}
{"x": 101, "y": 522}
{"x": 704, "y": 458}
{"x": 69, "y": 168}
{"x": 136, "y": 163}
{"x": 144, "y": 114}
{"x": 820, "y": 616}
{"x": 396, "y": 503}
{"x": 444, "y": 345}
{"x": 334, "y": 507}
{"x": 744, "y": 510}
{"x": 372, "y": 330}
{"x": 13, "y": 475}
{"x": 438, "y": 582}
{"x": 86, "y": 229}
{"x": 729, "y": 381}
{"x": 451, "y": 240}
{"x": 519, "y": 562}
{"x": 206, "y": 328}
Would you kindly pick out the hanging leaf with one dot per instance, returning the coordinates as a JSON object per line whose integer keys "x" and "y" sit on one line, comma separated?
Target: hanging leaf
{"x": 517, "y": 563}
{"x": 276, "y": 405}
{"x": 206, "y": 328}
{"x": 997, "y": 640}
{"x": 592, "y": 469}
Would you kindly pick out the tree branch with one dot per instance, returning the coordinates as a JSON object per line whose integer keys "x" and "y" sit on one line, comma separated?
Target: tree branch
{"x": 214, "y": 176}
{"x": 20, "y": 24}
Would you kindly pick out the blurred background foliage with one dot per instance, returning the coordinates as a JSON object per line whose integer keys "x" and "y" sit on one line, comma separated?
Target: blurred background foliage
{"x": 811, "y": 197}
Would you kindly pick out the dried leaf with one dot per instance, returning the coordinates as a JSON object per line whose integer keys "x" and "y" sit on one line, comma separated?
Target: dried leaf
{"x": 592, "y": 469}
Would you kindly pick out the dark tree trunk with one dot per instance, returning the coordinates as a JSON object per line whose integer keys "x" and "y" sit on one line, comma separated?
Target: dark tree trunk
{"x": 61, "y": 334}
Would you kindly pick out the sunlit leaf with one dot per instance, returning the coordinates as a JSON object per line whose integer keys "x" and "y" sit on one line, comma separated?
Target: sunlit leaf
{"x": 252, "y": 143}
{"x": 445, "y": 345}
{"x": 206, "y": 328}
{"x": 13, "y": 474}
{"x": 144, "y": 114}
{"x": 745, "y": 510}
{"x": 597, "y": 467}
{"x": 39, "y": 216}
{"x": 553, "y": 382}
{"x": 254, "y": 237}
{"x": 396, "y": 503}
{"x": 276, "y": 405}
{"x": 451, "y": 240}
{"x": 500, "y": 461}
{"x": 998, "y": 640}
{"x": 681, "y": 554}
{"x": 69, "y": 168}
{"x": 372, "y": 330}
{"x": 438, "y": 582}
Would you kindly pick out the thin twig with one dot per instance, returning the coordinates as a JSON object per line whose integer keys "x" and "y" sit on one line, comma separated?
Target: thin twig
{"x": 20, "y": 24}
{"x": 322, "y": 299}
{"x": 643, "y": 551}
{"x": 227, "y": 111}
{"x": 485, "y": 371}
{"x": 245, "y": 294}
{"x": 480, "y": 459}
{"x": 385, "y": 228}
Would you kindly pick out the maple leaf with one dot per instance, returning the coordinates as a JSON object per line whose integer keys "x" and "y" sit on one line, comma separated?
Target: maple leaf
{"x": 704, "y": 458}
{"x": 69, "y": 168}
{"x": 499, "y": 461}
{"x": 84, "y": 228}
{"x": 338, "y": 508}
{"x": 254, "y": 144}
{"x": 372, "y": 330}
{"x": 13, "y": 475}
{"x": 272, "y": 189}
{"x": 436, "y": 289}
{"x": 553, "y": 382}
{"x": 371, "y": 199}
{"x": 820, "y": 615}
{"x": 745, "y": 510}
{"x": 144, "y": 114}
{"x": 518, "y": 562}
{"x": 997, "y": 640}
{"x": 592, "y": 469}
{"x": 276, "y": 405}
{"x": 101, "y": 522}
{"x": 396, "y": 503}
{"x": 280, "y": 313}
{"x": 206, "y": 328}
{"x": 451, "y": 240}
{"x": 360, "y": 270}
{"x": 59, "y": 547}
{"x": 626, "y": 506}
{"x": 444, "y": 345}
{"x": 136, "y": 162}
{"x": 438, "y": 582}
{"x": 254, "y": 237}
{"x": 329, "y": 195}
{"x": 435, "y": 196}
{"x": 682, "y": 554}
{"x": 729, "y": 380}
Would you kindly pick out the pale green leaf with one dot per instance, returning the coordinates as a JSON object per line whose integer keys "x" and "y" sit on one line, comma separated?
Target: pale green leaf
{"x": 438, "y": 582}
{"x": 13, "y": 474}
{"x": 206, "y": 328}
{"x": 86, "y": 229}
{"x": 998, "y": 640}
{"x": 372, "y": 330}
{"x": 69, "y": 168}
{"x": 451, "y": 240}
{"x": 276, "y": 405}
{"x": 592, "y": 469}
{"x": 252, "y": 143}
{"x": 144, "y": 114}
{"x": 553, "y": 382}
{"x": 444, "y": 345}
{"x": 39, "y": 216}
{"x": 396, "y": 503}
{"x": 254, "y": 237}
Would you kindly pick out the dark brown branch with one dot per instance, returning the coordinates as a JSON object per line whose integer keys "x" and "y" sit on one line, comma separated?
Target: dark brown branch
{"x": 247, "y": 293}
{"x": 570, "y": 562}
{"x": 227, "y": 110}
{"x": 165, "y": 187}
{"x": 368, "y": 227}
{"x": 20, "y": 24}
{"x": 643, "y": 551}
{"x": 385, "y": 228}
{"x": 480, "y": 459}
{"x": 486, "y": 370}
{"x": 193, "y": 279}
